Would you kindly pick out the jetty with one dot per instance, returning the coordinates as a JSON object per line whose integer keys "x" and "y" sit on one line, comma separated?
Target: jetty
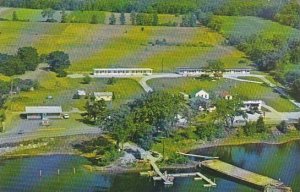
{"x": 198, "y": 156}
{"x": 266, "y": 183}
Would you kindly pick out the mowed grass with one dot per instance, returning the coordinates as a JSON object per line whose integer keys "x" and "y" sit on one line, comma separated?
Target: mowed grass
{"x": 248, "y": 26}
{"x": 246, "y": 91}
{"x": 63, "y": 89}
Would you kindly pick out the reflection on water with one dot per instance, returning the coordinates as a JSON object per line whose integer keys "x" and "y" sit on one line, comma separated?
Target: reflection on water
{"x": 280, "y": 161}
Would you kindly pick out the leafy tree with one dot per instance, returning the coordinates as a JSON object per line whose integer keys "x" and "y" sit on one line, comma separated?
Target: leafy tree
{"x": 120, "y": 124}
{"x": 87, "y": 79}
{"x": 228, "y": 109}
{"x": 283, "y": 127}
{"x": 61, "y": 73}
{"x": 206, "y": 131}
{"x": 96, "y": 110}
{"x": 216, "y": 65}
{"x": 29, "y": 56}
{"x": 48, "y": 14}
{"x": 122, "y": 18}
{"x": 215, "y": 23}
{"x": 260, "y": 125}
{"x": 58, "y": 60}
{"x": 112, "y": 19}
{"x": 95, "y": 19}
{"x": 15, "y": 16}
{"x": 296, "y": 88}
{"x": 11, "y": 65}
{"x": 250, "y": 128}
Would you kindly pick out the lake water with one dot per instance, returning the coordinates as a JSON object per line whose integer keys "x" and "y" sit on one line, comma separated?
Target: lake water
{"x": 277, "y": 161}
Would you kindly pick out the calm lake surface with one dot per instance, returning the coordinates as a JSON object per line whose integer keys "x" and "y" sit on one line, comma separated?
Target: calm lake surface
{"x": 276, "y": 161}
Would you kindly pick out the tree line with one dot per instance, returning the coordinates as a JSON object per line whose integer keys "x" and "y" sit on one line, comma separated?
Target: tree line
{"x": 27, "y": 59}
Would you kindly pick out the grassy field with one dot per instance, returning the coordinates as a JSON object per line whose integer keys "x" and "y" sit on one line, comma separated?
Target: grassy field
{"x": 247, "y": 26}
{"x": 63, "y": 89}
{"x": 95, "y": 46}
{"x": 247, "y": 91}
{"x": 85, "y": 16}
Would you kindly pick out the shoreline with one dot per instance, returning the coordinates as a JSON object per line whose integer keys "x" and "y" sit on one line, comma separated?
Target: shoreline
{"x": 113, "y": 169}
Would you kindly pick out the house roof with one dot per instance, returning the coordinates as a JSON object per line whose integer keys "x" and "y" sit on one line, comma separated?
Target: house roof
{"x": 99, "y": 94}
{"x": 43, "y": 109}
{"x": 81, "y": 92}
{"x": 202, "y": 91}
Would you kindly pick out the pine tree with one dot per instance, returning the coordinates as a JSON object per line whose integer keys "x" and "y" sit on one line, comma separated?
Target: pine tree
{"x": 260, "y": 125}
{"x": 15, "y": 16}
{"x": 63, "y": 16}
{"x": 155, "y": 19}
{"x": 122, "y": 18}
{"x": 112, "y": 19}
{"x": 133, "y": 18}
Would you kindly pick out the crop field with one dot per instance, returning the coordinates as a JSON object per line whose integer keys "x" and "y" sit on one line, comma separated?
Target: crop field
{"x": 247, "y": 26}
{"x": 63, "y": 89}
{"x": 246, "y": 91}
{"x": 95, "y": 46}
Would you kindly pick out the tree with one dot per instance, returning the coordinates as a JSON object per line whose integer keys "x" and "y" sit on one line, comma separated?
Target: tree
{"x": 64, "y": 16}
{"x": 260, "y": 125}
{"x": 96, "y": 110}
{"x": 283, "y": 127}
{"x": 48, "y": 14}
{"x": 227, "y": 110}
{"x": 29, "y": 56}
{"x": 120, "y": 124}
{"x": 155, "y": 19}
{"x": 87, "y": 79}
{"x": 15, "y": 16}
{"x": 250, "y": 128}
{"x": 296, "y": 88}
{"x": 112, "y": 19}
{"x": 58, "y": 60}
{"x": 111, "y": 81}
{"x": 122, "y": 18}
{"x": 215, "y": 65}
{"x": 95, "y": 19}
{"x": 215, "y": 23}
{"x": 133, "y": 18}
{"x": 11, "y": 65}
{"x": 206, "y": 131}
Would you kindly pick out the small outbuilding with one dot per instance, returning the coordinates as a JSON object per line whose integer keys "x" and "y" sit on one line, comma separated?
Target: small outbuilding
{"x": 202, "y": 94}
{"x": 43, "y": 112}
{"x": 225, "y": 95}
{"x": 106, "y": 96}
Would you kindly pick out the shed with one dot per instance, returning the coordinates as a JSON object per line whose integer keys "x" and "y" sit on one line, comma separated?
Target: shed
{"x": 202, "y": 94}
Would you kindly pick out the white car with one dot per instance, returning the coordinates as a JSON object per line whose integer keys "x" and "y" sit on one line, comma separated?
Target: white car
{"x": 66, "y": 116}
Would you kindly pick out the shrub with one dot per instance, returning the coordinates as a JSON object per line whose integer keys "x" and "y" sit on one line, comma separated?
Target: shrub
{"x": 283, "y": 127}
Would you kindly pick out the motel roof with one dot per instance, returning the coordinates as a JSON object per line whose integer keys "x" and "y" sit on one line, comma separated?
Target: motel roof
{"x": 124, "y": 69}
{"x": 43, "y": 109}
{"x": 206, "y": 69}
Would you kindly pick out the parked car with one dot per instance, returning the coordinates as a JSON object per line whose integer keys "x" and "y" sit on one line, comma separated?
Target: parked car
{"x": 66, "y": 116}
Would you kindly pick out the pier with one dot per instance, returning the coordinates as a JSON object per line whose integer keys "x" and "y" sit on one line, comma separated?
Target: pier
{"x": 168, "y": 178}
{"x": 198, "y": 156}
{"x": 266, "y": 183}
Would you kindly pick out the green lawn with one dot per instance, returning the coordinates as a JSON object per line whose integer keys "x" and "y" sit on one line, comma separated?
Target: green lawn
{"x": 246, "y": 91}
{"x": 85, "y": 16}
{"x": 63, "y": 89}
{"x": 251, "y": 78}
{"x": 247, "y": 26}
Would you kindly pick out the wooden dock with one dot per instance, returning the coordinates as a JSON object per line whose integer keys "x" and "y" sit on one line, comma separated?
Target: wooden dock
{"x": 167, "y": 180}
{"x": 244, "y": 175}
{"x": 198, "y": 156}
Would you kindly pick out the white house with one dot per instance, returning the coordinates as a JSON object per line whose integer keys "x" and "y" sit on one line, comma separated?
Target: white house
{"x": 106, "y": 96}
{"x": 81, "y": 93}
{"x": 202, "y": 94}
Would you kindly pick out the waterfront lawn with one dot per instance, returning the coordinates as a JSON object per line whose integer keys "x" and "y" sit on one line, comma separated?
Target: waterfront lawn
{"x": 251, "y": 78}
{"x": 246, "y": 91}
